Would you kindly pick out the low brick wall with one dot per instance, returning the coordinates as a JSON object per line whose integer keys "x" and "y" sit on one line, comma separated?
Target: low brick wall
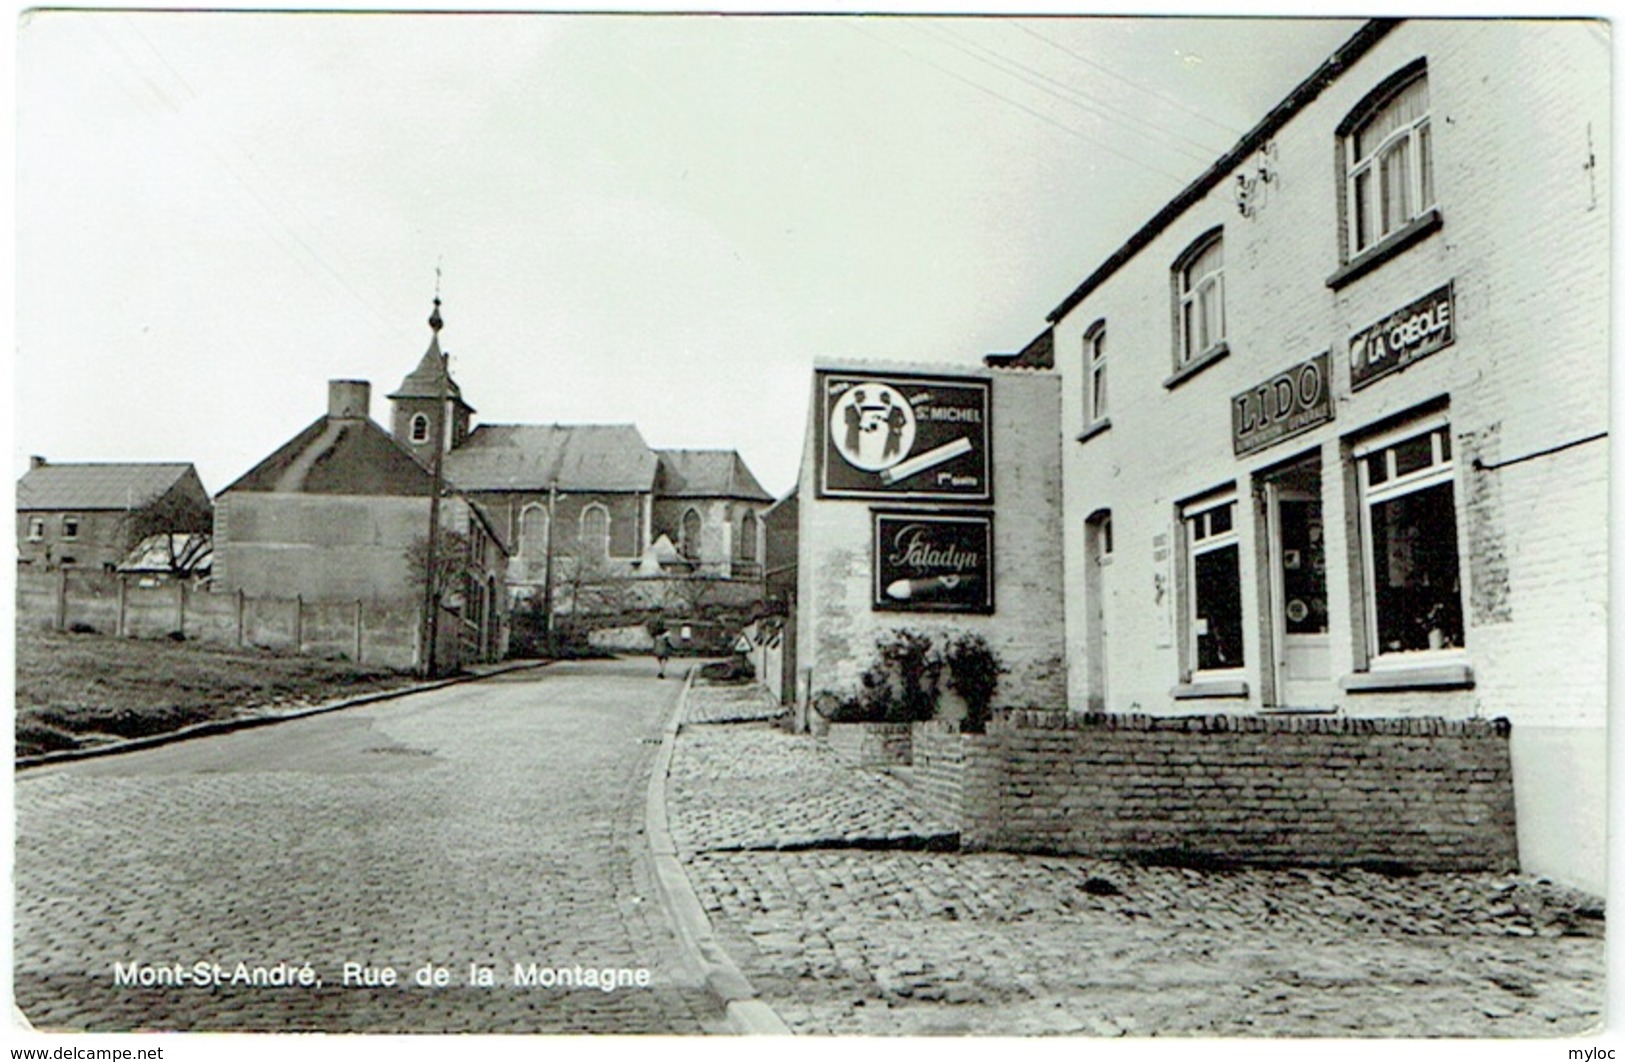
{"x": 871, "y": 744}
{"x": 1429, "y": 794}
{"x": 939, "y": 764}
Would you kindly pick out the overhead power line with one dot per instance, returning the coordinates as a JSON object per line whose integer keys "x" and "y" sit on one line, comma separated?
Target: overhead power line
{"x": 276, "y": 210}
{"x": 1169, "y": 100}
{"x": 1109, "y": 149}
{"x": 1071, "y": 94}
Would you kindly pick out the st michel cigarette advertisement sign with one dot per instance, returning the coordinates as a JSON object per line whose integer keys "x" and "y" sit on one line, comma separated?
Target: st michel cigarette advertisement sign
{"x": 933, "y": 562}
{"x": 916, "y": 437}
{"x": 1407, "y": 335}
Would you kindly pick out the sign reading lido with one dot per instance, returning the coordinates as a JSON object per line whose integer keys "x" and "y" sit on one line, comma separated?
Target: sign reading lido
{"x": 1282, "y": 406}
{"x": 933, "y": 562}
{"x": 1405, "y": 336}
{"x": 887, "y": 436}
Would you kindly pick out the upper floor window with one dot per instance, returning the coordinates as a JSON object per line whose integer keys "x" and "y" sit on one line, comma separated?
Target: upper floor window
{"x": 420, "y": 428}
{"x": 36, "y": 528}
{"x": 70, "y": 527}
{"x": 1199, "y": 276}
{"x": 1389, "y": 161}
{"x": 1094, "y": 363}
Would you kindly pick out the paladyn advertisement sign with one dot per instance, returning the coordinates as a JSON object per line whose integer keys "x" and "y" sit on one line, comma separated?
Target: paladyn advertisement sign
{"x": 933, "y": 562}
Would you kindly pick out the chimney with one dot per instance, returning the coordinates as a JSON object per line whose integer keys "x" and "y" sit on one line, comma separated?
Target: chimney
{"x": 349, "y": 399}
{"x": 35, "y": 461}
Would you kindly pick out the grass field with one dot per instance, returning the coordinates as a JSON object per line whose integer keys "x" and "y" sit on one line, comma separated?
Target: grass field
{"x": 76, "y": 690}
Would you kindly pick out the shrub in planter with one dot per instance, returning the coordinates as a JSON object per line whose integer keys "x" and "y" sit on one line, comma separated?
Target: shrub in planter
{"x": 973, "y": 672}
{"x": 901, "y": 685}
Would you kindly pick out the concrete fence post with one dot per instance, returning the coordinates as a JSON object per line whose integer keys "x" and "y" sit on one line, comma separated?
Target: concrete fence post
{"x": 121, "y": 623}
{"x": 299, "y": 623}
{"x": 62, "y": 599}
{"x": 180, "y": 607}
{"x": 240, "y": 609}
{"x": 358, "y": 631}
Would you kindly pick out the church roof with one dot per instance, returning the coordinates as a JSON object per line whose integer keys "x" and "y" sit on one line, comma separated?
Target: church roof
{"x": 707, "y": 474}
{"x": 339, "y": 455}
{"x": 425, "y": 380}
{"x": 90, "y": 486}
{"x": 578, "y": 457}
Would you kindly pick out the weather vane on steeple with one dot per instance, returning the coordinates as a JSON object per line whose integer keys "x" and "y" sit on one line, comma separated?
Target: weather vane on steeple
{"x": 434, "y": 318}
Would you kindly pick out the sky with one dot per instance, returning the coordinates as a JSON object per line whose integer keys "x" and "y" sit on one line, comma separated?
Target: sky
{"x": 662, "y": 220}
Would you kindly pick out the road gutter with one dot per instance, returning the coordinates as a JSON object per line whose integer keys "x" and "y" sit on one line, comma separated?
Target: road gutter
{"x": 228, "y": 726}
{"x": 746, "y": 1013}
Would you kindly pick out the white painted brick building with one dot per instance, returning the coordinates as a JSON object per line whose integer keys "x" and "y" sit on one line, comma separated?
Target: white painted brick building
{"x": 1415, "y": 522}
{"x": 841, "y": 607}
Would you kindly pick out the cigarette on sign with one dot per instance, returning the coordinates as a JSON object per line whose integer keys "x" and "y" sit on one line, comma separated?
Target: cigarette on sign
{"x": 907, "y": 589}
{"x": 929, "y": 459}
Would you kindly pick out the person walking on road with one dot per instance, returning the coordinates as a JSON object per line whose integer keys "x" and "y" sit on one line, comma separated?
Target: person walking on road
{"x": 662, "y": 651}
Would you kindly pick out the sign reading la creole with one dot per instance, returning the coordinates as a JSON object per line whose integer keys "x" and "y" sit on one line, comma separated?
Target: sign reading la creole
{"x": 1282, "y": 406}
{"x": 933, "y": 562}
{"x": 888, "y": 436}
{"x": 1404, "y": 337}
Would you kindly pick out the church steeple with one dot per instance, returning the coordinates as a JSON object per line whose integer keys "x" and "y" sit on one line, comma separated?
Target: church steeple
{"x": 417, "y": 409}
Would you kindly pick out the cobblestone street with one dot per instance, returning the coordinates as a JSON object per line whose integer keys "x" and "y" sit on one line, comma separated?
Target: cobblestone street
{"x": 497, "y": 822}
{"x": 797, "y": 860}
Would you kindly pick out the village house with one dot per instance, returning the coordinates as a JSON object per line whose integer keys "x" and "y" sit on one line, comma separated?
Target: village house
{"x": 929, "y": 499}
{"x": 1335, "y": 418}
{"x": 1314, "y": 466}
{"x": 91, "y": 515}
{"x": 340, "y": 513}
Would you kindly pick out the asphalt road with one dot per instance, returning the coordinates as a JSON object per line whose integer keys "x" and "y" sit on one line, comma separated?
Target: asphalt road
{"x": 496, "y": 824}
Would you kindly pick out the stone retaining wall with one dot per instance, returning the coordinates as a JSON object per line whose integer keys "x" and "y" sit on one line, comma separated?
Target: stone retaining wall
{"x": 1429, "y": 794}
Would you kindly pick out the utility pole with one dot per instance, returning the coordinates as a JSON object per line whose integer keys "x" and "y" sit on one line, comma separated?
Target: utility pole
{"x": 547, "y": 567}
{"x": 431, "y": 594}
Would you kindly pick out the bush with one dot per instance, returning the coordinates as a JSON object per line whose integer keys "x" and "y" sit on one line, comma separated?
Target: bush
{"x": 900, "y": 686}
{"x": 735, "y": 670}
{"x": 973, "y": 672}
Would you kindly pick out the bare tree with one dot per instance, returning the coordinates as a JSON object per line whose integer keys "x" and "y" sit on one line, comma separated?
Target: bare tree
{"x": 585, "y": 585}
{"x": 453, "y": 564}
{"x": 695, "y": 592}
{"x": 171, "y": 513}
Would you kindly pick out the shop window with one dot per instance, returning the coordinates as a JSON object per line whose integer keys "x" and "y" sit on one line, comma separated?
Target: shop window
{"x": 36, "y": 528}
{"x": 1213, "y": 579}
{"x": 1199, "y": 284}
{"x": 70, "y": 528}
{"x": 1388, "y": 158}
{"x": 1094, "y": 362}
{"x": 1411, "y": 561}
{"x": 420, "y": 428}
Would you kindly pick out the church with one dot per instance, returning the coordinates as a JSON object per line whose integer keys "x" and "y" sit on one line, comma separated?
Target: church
{"x": 591, "y": 501}
{"x": 584, "y": 517}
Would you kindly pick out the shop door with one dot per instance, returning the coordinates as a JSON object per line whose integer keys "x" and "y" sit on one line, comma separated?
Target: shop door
{"x": 1303, "y": 658}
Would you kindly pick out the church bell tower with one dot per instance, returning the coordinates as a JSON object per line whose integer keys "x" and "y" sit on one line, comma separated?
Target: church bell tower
{"x": 428, "y": 398}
